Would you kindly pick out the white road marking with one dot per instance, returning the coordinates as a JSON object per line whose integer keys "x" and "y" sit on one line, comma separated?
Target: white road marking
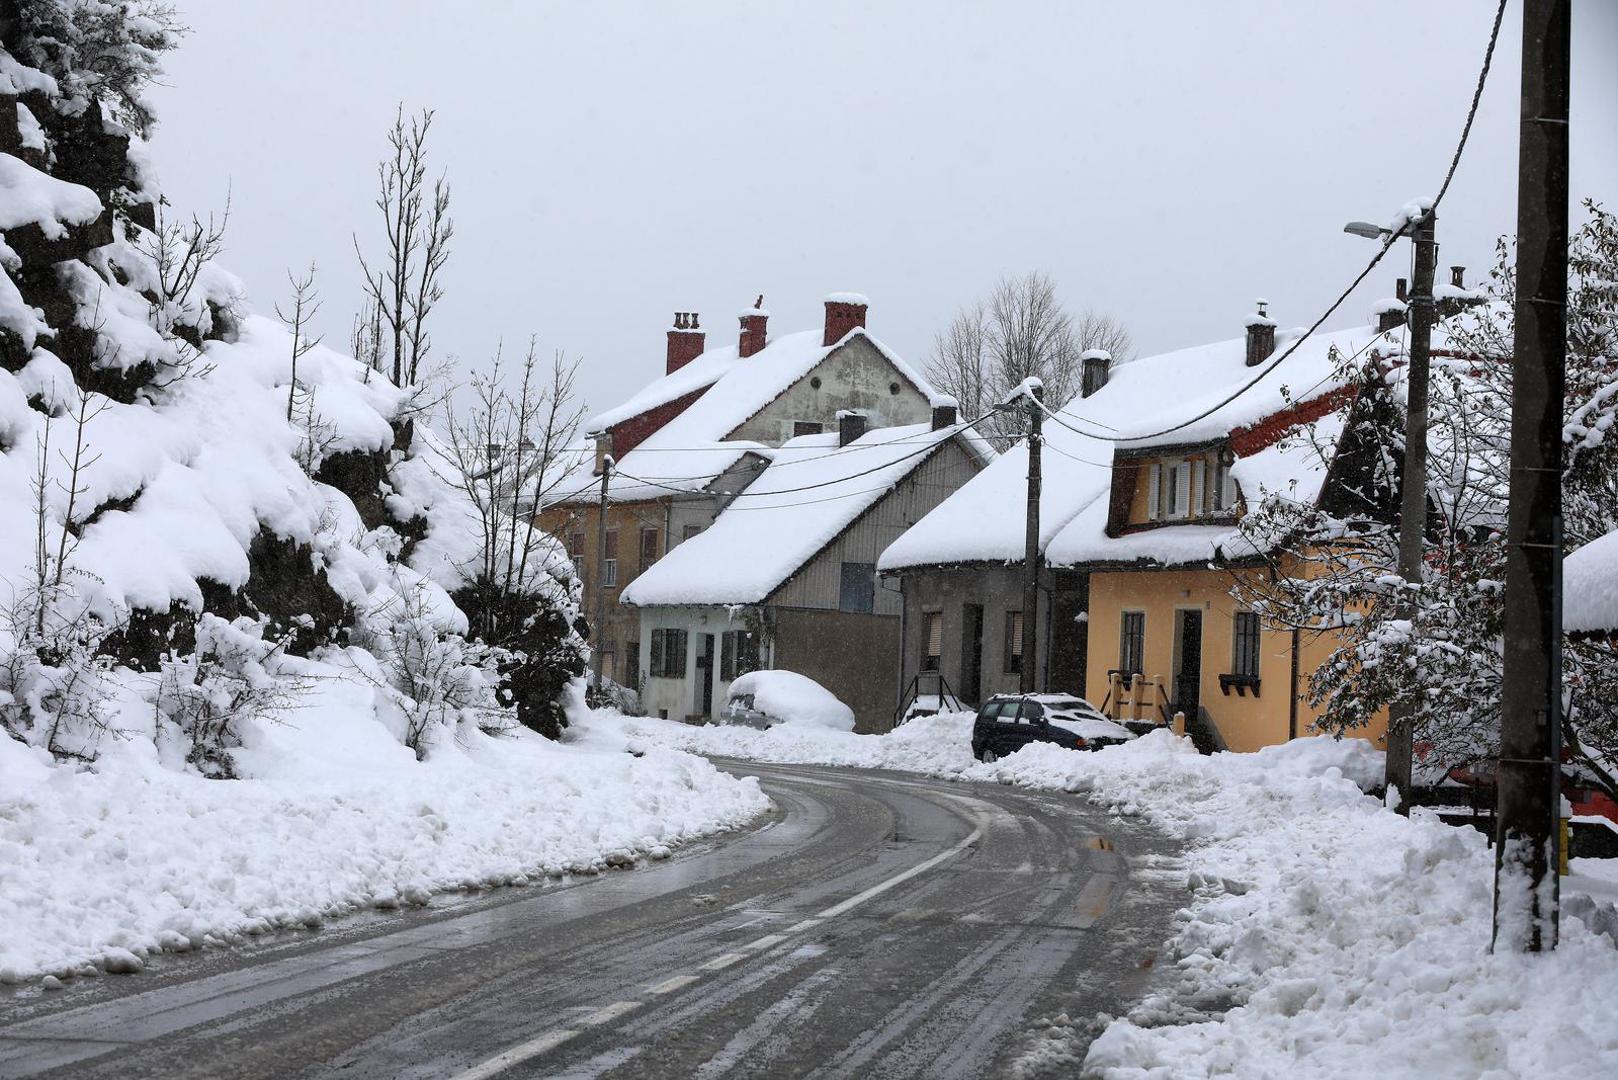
{"x": 668, "y": 986}
{"x": 517, "y": 1055}
{"x": 608, "y": 1013}
{"x": 764, "y": 942}
{"x": 807, "y": 924}
{"x": 719, "y": 963}
{"x": 898, "y": 879}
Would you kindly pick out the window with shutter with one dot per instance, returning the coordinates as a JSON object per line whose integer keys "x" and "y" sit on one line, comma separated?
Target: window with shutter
{"x": 1013, "y": 643}
{"x": 649, "y": 548}
{"x": 1227, "y": 490}
{"x": 657, "y": 654}
{"x": 935, "y": 640}
{"x": 1154, "y": 481}
{"x": 1182, "y": 490}
{"x": 1199, "y": 486}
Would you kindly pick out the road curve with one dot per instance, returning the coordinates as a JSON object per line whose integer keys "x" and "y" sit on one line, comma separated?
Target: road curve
{"x": 879, "y": 925}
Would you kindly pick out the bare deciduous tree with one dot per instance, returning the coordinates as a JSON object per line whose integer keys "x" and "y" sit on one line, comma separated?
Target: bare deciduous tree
{"x": 417, "y": 229}
{"x": 1020, "y": 330}
{"x": 504, "y": 455}
{"x": 179, "y": 252}
{"x": 305, "y": 306}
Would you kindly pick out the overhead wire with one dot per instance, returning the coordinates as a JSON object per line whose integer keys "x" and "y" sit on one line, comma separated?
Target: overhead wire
{"x": 1455, "y": 160}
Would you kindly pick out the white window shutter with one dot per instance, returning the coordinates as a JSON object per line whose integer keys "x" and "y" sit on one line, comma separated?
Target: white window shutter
{"x": 1153, "y": 479}
{"x": 1199, "y": 486}
{"x": 1229, "y": 492}
{"x": 1182, "y": 489}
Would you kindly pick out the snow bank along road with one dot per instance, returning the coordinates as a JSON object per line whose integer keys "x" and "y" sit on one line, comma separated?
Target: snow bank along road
{"x": 878, "y": 925}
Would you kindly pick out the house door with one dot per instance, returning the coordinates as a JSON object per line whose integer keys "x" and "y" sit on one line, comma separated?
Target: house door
{"x": 705, "y": 676}
{"x": 971, "y": 653}
{"x": 1188, "y": 681}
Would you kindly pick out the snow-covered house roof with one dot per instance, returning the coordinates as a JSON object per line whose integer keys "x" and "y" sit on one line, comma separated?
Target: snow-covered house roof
{"x": 692, "y": 450}
{"x": 811, "y": 492}
{"x": 1590, "y": 587}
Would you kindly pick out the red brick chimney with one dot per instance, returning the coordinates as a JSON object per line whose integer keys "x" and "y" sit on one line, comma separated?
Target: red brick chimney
{"x": 1260, "y": 336}
{"x": 752, "y": 337}
{"x": 844, "y": 311}
{"x": 686, "y": 340}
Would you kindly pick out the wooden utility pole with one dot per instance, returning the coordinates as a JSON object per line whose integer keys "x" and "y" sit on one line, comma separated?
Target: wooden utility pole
{"x": 599, "y": 635}
{"x": 1031, "y": 552}
{"x": 1413, "y": 487}
{"x": 1525, "y": 881}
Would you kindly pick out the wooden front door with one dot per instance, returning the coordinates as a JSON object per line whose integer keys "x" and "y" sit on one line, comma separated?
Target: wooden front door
{"x": 705, "y": 676}
{"x": 971, "y": 653}
{"x": 1188, "y": 681}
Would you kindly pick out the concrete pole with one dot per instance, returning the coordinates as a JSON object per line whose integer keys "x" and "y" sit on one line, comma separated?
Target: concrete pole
{"x": 1531, "y": 698}
{"x": 600, "y": 629}
{"x": 1031, "y": 552}
{"x": 1413, "y": 490}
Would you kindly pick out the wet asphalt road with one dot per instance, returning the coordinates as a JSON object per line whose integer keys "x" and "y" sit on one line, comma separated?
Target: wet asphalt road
{"x": 878, "y": 925}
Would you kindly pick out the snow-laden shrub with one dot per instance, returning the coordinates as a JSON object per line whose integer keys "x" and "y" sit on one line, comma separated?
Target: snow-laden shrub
{"x": 55, "y": 690}
{"x": 437, "y": 682}
{"x": 232, "y": 679}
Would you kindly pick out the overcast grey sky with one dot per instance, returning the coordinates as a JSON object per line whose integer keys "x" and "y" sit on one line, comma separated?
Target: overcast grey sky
{"x": 614, "y": 163}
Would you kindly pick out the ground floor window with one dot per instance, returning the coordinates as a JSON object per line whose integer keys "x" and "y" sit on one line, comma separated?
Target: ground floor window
{"x": 738, "y": 654}
{"x": 1013, "y": 643}
{"x": 933, "y": 641}
{"x": 631, "y": 677}
{"x": 1132, "y": 644}
{"x": 1247, "y": 648}
{"x": 668, "y": 654}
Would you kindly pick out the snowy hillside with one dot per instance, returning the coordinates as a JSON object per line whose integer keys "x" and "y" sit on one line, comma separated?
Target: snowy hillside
{"x": 239, "y": 687}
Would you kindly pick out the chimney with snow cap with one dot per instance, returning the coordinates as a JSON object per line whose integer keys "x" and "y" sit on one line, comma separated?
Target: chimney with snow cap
{"x": 1097, "y": 369}
{"x": 753, "y": 320}
{"x": 686, "y": 341}
{"x": 844, "y": 312}
{"x": 945, "y": 411}
{"x": 850, "y": 426}
{"x": 1260, "y": 335}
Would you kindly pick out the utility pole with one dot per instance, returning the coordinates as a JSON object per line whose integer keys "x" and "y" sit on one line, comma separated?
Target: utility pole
{"x": 1031, "y": 552}
{"x": 1413, "y": 488}
{"x": 1525, "y": 902}
{"x": 600, "y": 634}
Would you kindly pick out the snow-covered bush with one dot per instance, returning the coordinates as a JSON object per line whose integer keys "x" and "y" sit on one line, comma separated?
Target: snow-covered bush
{"x": 437, "y": 682}
{"x": 232, "y": 678}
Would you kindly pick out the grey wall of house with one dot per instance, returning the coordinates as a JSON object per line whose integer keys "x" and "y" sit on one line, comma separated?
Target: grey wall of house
{"x": 856, "y": 376}
{"x": 856, "y": 657}
{"x": 998, "y": 589}
{"x": 680, "y": 699}
{"x": 819, "y": 583}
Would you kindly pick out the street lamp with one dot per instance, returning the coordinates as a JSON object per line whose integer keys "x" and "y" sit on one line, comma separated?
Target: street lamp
{"x": 1413, "y": 485}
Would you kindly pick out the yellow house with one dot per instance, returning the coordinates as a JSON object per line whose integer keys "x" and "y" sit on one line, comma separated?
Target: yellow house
{"x": 1162, "y": 550}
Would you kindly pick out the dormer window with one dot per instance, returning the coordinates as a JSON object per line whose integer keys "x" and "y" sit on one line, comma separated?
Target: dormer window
{"x": 1168, "y": 490}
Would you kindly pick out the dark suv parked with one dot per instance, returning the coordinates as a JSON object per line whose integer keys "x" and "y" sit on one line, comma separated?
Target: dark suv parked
{"x": 1009, "y": 722}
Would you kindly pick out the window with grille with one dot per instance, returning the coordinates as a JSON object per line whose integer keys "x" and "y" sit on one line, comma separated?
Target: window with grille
{"x": 857, "y": 592}
{"x": 609, "y": 569}
{"x": 650, "y": 549}
{"x": 738, "y": 654}
{"x": 1132, "y": 644}
{"x": 1247, "y": 644}
{"x": 1013, "y": 643}
{"x": 934, "y": 628}
{"x": 668, "y": 654}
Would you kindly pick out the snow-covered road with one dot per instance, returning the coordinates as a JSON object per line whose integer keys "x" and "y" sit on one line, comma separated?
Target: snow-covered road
{"x": 878, "y": 924}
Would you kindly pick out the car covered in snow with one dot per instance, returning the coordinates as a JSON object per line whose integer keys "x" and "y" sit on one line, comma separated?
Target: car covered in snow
{"x": 763, "y": 699}
{"x": 1008, "y": 722}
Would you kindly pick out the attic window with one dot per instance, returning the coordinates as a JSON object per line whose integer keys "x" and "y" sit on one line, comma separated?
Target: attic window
{"x": 893, "y": 388}
{"x": 814, "y": 381}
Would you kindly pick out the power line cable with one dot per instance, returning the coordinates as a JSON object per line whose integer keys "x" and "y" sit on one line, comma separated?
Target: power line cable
{"x": 1455, "y": 161}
